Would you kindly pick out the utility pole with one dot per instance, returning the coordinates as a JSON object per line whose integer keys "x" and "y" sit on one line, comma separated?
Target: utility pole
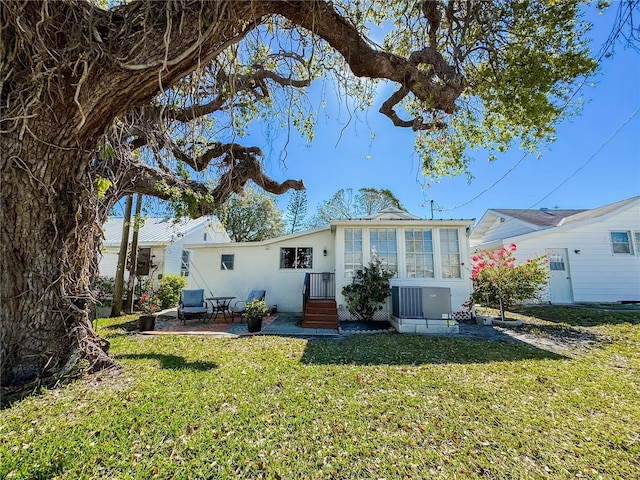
{"x": 133, "y": 273}
{"x": 431, "y": 202}
{"x": 116, "y": 308}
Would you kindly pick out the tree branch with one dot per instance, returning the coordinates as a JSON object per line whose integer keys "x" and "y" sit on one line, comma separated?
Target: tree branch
{"x": 415, "y": 124}
{"x": 216, "y": 150}
{"x": 322, "y": 19}
{"x": 150, "y": 181}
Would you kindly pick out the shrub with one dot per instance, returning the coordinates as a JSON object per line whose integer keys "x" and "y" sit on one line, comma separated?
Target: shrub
{"x": 169, "y": 291}
{"x": 498, "y": 282}
{"x": 368, "y": 290}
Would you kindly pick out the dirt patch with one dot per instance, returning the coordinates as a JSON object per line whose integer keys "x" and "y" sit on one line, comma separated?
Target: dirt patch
{"x": 554, "y": 338}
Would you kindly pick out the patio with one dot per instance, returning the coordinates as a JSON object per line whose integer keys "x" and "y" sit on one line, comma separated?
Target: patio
{"x": 285, "y": 324}
{"x": 288, "y": 324}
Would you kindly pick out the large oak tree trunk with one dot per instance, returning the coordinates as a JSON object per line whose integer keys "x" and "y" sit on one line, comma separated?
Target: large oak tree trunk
{"x": 48, "y": 221}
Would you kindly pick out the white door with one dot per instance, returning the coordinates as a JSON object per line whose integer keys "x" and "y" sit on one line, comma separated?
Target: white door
{"x": 560, "y": 277}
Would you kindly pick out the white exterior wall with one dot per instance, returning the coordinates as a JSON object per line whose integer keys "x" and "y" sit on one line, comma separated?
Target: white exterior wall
{"x": 460, "y": 287}
{"x": 109, "y": 262}
{"x": 597, "y": 274}
{"x": 172, "y": 261}
{"x": 166, "y": 256}
{"x": 508, "y": 228}
{"x": 257, "y": 266}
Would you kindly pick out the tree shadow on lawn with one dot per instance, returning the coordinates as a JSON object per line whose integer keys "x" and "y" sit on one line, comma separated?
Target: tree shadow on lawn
{"x": 173, "y": 362}
{"x": 584, "y": 316}
{"x": 119, "y": 329}
{"x": 419, "y": 350}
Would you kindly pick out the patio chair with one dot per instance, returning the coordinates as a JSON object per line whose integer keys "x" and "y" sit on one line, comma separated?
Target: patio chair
{"x": 192, "y": 304}
{"x": 239, "y": 307}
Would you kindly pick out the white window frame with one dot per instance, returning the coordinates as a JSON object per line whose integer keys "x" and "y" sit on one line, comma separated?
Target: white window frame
{"x": 224, "y": 263}
{"x": 185, "y": 266}
{"x": 628, "y": 243}
{"x": 388, "y": 255}
{"x": 353, "y": 258}
{"x": 449, "y": 256}
{"x": 422, "y": 255}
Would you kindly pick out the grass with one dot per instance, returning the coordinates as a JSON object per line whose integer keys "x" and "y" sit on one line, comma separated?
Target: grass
{"x": 379, "y": 406}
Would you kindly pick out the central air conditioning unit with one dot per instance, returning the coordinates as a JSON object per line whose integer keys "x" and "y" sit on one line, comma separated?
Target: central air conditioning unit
{"x": 421, "y": 302}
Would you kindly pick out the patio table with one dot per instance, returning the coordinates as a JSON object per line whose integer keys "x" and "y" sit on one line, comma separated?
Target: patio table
{"x": 220, "y": 304}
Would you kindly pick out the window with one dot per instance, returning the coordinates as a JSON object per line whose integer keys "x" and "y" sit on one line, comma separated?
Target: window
{"x": 620, "y": 242}
{"x": 384, "y": 245}
{"x": 184, "y": 263}
{"x": 296, "y": 257}
{"x": 143, "y": 261}
{"x": 226, "y": 261}
{"x": 556, "y": 261}
{"x": 352, "y": 251}
{"x": 419, "y": 253}
{"x": 450, "y": 253}
{"x": 636, "y": 235}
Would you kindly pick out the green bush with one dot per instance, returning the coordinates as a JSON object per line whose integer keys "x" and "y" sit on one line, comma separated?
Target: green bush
{"x": 169, "y": 291}
{"x": 368, "y": 291}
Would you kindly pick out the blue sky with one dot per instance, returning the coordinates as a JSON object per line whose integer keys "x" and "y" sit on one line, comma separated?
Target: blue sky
{"x": 594, "y": 161}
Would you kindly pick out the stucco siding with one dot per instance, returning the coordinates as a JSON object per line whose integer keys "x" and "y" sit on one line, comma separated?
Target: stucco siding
{"x": 257, "y": 266}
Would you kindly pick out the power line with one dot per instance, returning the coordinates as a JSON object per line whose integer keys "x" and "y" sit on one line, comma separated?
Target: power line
{"x": 603, "y": 52}
{"x": 584, "y": 164}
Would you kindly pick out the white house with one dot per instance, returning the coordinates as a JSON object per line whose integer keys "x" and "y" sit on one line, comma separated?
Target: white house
{"x": 594, "y": 255}
{"x": 430, "y": 258}
{"x": 161, "y": 243}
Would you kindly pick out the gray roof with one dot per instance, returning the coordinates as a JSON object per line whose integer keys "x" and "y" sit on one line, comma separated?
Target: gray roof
{"x": 154, "y": 230}
{"x": 599, "y": 212}
{"x": 546, "y": 218}
{"x": 539, "y": 218}
{"x": 391, "y": 213}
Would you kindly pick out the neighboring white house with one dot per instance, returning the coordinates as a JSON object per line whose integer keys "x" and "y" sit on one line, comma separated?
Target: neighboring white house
{"x": 431, "y": 254}
{"x": 594, "y": 255}
{"x": 161, "y": 243}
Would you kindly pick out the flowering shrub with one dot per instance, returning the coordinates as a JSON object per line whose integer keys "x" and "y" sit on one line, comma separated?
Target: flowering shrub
{"x": 256, "y": 309}
{"x": 149, "y": 303}
{"x": 499, "y": 282}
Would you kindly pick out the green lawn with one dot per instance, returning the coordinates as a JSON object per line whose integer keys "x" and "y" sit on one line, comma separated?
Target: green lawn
{"x": 368, "y": 407}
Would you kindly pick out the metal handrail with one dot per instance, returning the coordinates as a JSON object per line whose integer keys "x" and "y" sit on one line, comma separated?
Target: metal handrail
{"x": 321, "y": 285}
{"x": 318, "y": 286}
